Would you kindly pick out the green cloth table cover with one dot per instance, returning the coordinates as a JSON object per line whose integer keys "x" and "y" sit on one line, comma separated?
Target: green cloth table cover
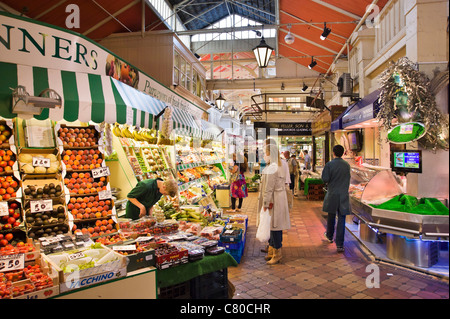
{"x": 309, "y": 181}
{"x": 181, "y": 273}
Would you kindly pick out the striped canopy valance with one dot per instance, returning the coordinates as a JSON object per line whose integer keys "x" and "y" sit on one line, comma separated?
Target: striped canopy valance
{"x": 85, "y": 97}
{"x": 210, "y": 130}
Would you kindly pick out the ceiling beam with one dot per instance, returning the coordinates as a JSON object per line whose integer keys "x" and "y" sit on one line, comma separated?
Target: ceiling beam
{"x": 361, "y": 21}
{"x": 252, "y": 7}
{"x": 202, "y": 13}
{"x": 315, "y": 57}
{"x": 251, "y": 12}
{"x": 260, "y": 83}
{"x": 311, "y": 24}
{"x": 310, "y": 42}
{"x": 111, "y": 16}
{"x": 337, "y": 9}
{"x": 49, "y": 9}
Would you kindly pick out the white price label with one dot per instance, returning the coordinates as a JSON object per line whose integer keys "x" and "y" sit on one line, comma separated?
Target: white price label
{"x": 100, "y": 172}
{"x": 41, "y": 162}
{"x": 12, "y": 262}
{"x": 144, "y": 238}
{"x": 406, "y": 129}
{"x": 38, "y": 206}
{"x": 76, "y": 256}
{"x": 4, "y": 209}
{"x": 106, "y": 194}
{"x": 130, "y": 116}
{"x": 125, "y": 247}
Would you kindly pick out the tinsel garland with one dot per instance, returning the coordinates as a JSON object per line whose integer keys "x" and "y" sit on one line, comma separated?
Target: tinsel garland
{"x": 406, "y": 96}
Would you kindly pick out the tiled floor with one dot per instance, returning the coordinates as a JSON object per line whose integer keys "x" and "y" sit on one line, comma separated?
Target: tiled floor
{"x": 312, "y": 269}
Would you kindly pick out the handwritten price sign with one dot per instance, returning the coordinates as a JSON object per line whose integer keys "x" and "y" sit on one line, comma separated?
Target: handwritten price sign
{"x": 12, "y": 262}
{"x": 4, "y": 209}
{"x": 77, "y": 255}
{"x": 100, "y": 172}
{"x": 102, "y": 195}
{"x": 38, "y": 206}
{"x": 41, "y": 161}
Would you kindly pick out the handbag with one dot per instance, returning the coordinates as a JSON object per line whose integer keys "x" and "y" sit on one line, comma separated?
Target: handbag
{"x": 234, "y": 177}
{"x": 263, "y": 232}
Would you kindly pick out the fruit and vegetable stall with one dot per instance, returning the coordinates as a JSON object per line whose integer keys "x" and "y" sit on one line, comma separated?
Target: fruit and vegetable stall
{"x": 59, "y": 220}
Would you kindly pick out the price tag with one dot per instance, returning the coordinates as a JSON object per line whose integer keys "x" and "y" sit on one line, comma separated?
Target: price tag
{"x": 77, "y": 255}
{"x": 130, "y": 116}
{"x": 106, "y": 194}
{"x": 406, "y": 129}
{"x": 12, "y": 262}
{"x": 4, "y": 209}
{"x": 144, "y": 238}
{"x": 38, "y": 206}
{"x": 125, "y": 247}
{"x": 100, "y": 172}
{"x": 41, "y": 162}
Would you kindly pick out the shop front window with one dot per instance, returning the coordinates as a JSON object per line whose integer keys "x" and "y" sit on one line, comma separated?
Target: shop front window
{"x": 176, "y": 68}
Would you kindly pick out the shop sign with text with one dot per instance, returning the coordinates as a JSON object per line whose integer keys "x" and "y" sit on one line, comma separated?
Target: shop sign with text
{"x": 25, "y": 41}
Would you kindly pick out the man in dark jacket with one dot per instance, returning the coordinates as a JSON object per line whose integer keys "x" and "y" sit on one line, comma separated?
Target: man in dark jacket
{"x": 336, "y": 174}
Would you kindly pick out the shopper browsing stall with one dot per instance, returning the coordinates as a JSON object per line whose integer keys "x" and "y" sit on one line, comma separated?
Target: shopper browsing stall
{"x": 238, "y": 184}
{"x": 307, "y": 159}
{"x": 146, "y": 194}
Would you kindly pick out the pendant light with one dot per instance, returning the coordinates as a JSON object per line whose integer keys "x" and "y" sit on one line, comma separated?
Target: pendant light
{"x": 263, "y": 52}
{"x": 233, "y": 111}
{"x": 289, "y": 38}
{"x": 220, "y": 101}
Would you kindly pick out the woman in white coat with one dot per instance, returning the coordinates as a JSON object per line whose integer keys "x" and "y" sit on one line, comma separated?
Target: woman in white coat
{"x": 273, "y": 197}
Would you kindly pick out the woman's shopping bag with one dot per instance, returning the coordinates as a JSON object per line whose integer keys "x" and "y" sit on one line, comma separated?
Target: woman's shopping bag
{"x": 263, "y": 232}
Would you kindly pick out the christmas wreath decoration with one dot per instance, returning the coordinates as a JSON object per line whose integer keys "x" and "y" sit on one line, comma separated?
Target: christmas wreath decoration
{"x": 406, "y": 96}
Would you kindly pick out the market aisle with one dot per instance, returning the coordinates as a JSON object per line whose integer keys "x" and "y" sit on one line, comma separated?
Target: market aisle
{"x": 312, "y": 269}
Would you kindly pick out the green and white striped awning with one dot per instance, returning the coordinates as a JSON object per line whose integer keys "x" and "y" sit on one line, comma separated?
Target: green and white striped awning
{"x": 85, "y": 97}
{"x": 144, "y": 103}
{"x": 210, "y": 130}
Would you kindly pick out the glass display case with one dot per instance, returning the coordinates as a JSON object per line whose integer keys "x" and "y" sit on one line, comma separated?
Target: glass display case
{"x": 373, "y": 184}
{"x": 372, "y": 191}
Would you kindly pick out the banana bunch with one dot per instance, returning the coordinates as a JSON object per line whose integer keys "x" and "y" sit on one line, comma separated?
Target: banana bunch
{"x": 143, "y": 135}
{"x": 116, "y": 130}
{"x": 125, "y": 132}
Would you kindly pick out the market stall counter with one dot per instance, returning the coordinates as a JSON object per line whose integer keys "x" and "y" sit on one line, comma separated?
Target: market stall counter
{"x": 138, "y": 284}
{"x": 182, "y": 273}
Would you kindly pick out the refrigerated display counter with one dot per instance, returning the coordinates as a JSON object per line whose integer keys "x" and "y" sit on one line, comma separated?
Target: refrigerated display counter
{"x": 412, "y": 231}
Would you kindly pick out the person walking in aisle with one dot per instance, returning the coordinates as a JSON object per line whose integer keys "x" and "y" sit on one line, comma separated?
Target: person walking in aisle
{"x": 238, "y": 183}
{"x": 273, "y": 197}
{"x": 336, "y": 174}
{"x": 293, "y": 172}
{"x": 284, "y": 163}
{"x": 307, "y": 159}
